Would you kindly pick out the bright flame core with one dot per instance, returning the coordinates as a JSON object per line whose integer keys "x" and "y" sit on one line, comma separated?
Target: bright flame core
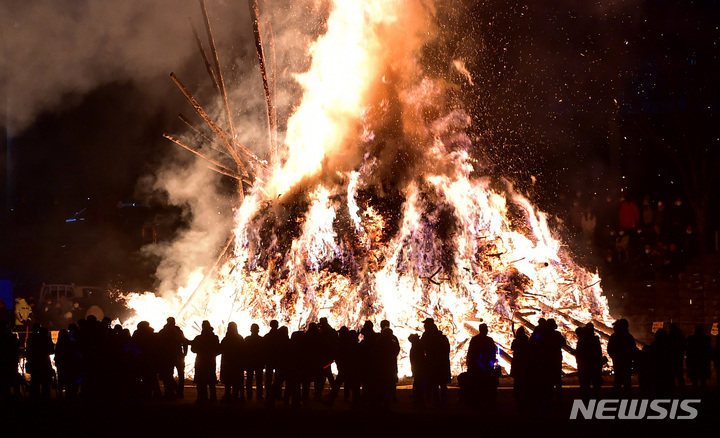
{"x": 375, "y": 214}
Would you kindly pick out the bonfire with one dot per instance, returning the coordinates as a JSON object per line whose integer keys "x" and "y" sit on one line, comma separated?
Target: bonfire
{"x": 370, "y": 204}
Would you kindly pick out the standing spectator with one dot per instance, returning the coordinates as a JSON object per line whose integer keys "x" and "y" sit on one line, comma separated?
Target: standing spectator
{"x": 482, "y": 368}
{"x": 145, "y": 339}
{"x": 68, "y": 364}
{"x": 418, "y": 366}
{"x": 699, "y": 358}
{"x": 388, "y": 350}
{"x": 168, "y": 345}
{"x": 660, "y": 370}
{"x": 437, "y": 359}
{"x": 590, "y": 361}
{"x": 555, "y": 342}
{"x": 622, "y": 350}
{"x": 38, "y": 365}
{"x": 297, "y": 368}
{"x": 232, "y": 366}
{"x": 206, "y": 346}
{"x": 9, "y": 361}
{"x": 254, "y": 362}
{"x": 346, "y": 360}
{"x": 369, "y": 358}
{"x": 181, "y": 350}
{"x": 521, "y": 367}
{"x": 280, "y": 351}
{"x": 329, "y": 352}
{"x": 314, "y": 349}
{"x": 272, "y": 353}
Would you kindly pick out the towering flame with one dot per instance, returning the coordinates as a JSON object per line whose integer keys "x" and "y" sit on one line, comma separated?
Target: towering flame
{"x": 376, "y": 210}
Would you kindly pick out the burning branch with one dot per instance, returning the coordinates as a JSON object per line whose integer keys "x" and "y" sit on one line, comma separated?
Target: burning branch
{"x": 204, "y": 137}
{"x": 272, "y": 117}
{"x": 221, "y": 81}
{"x": 218, "y": 131}
{"x": 273, "y": 77}
{"x": 219, "y": 167}
{"x": 206, "y": 60}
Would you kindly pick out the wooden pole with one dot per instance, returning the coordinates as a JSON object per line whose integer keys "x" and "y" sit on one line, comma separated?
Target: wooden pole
{"x": 221, "y": 80}
{"x": 273, "y": 81}
{"x": 203, "y": 136}
{"x": 206, "y": 60}
{"x": 218, "y": 131}
{"x": 272, "y": 118}
{"x": 225, "y": 170}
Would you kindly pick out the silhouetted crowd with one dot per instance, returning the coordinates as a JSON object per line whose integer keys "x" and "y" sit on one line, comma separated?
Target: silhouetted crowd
{"x": 646, "y": 241}
{"x": 97, "y": 361}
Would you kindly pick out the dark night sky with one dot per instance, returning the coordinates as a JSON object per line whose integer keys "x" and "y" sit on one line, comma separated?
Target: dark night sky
{"x": 87, "y": 98}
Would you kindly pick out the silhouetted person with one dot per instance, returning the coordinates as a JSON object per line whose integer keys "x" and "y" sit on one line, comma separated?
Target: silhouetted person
{"x": 369, "y": 363}
{"x": 437, "y": 360}
{"x": 590, "y": 361}
{"x": 699, "y": 358}
{"x": 180, "y": 354}
{"x": 315, "y": 362}
{"x": 347, "y": 365}
{"x": 9, "y": 361}
{"x": 129, "y": 370}
{"x": 38, "y": 365}
{"x": 554, "y": 342}
{"x": 622, "y": 350}
{"x": 206, "y": 346}
{"x": 521, "y": 367}
{"x": 661, "y": 374}
{"x": 68, "y": 363}
{"x": 169, "y": 345}
{"x": 147, "y": 361}
{"x": 328, "y": 354}
{"x": 418, "y": 366}
{"x": 482, "y": 368}
{"x": 388, "y": 350}
{"x": 272, "y": 352}
{"x": 297, "y": 367}
{"x": 383, "y": 325}
{"x": 254, "y": 362}
{"x": 232, "y": 366}
{"x": 282, "y": 366}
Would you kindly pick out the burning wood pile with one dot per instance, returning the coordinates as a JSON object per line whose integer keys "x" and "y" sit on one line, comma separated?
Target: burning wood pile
{"x": 372, "y": 206}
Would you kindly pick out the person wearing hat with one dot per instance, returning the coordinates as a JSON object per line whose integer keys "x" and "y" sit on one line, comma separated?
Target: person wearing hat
{"x": 206, "y": 346}
{"x": 436, "y": 347}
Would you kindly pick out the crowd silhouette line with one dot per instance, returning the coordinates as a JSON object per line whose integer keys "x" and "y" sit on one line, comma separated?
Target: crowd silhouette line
{"x": 96, "y": 361}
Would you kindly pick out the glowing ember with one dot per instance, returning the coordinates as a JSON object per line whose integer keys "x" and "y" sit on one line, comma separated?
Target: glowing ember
{"x": 374, "y": 211}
